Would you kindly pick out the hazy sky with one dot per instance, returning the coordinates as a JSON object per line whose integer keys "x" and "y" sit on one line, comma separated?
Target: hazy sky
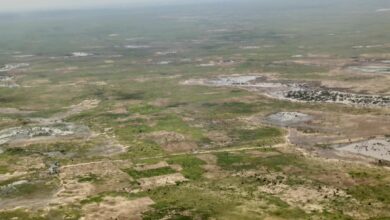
{"x": 23, "y": 5}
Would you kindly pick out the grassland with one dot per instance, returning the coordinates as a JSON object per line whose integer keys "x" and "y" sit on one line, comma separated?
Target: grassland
{"x": 191, "y": 151}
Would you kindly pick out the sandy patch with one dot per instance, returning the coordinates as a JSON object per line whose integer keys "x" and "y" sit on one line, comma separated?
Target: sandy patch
{"x": 78, "y": 108}
{"x": 109, "y": 148}
{"x": 212, "y": 170}
{"x": 102, "y": 169}
{"x": 163, "y": 102}
{"x": 73, "y": 191}
{"x": 306, "y": 198}
{"x": 321, "y": 62}
{"x": 378, "y": 148}
{"x": 8, "y": 176}
{"x": 14, "y": 111}
{"x": 263, "y": 154}
{"x": 374, "y": 68}
{"x": 166, "y": 137}
{"x": 69, "y": 69}
{"x": 218, "y": 138}
{"x": 329, "y": 128}
{"x": 144, "y": 167}
{"x": 117, "y": 208}
{"x": 107, "y": 177}
{"x": 157, "y": 181}
{"x": 208, "y": 158}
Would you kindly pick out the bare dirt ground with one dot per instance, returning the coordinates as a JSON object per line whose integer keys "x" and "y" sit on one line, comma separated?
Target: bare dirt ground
{"x": 212, "y": 170}
{"x": 73, "y": 191}
{"x": 325, "y": 61}
{"x": 8, "y": 176}
{"x": 77, "y": 109}
{"x": 288, "y": 118}
{"x": 340, "y": 126}
{"x": 360, "y": 84}
{"x": 219, "y": 138}
{"x": 24, "y": 163}
{"x": 144, "y": 167}
{"x": 306, "y": 198}
{"x": 107, "y": 146}
{"x": 156, "y": 181}
{"x": 106, "y": 176}
{"x": 15, "y": 111}
{"x": 357, "y": 81}
{"x": 100, "y": 168}
{"x": 36, "y": 203}
{"x": 118, "y": 208}
{"x": 372, "y": 69}
{"x": 380, "y": 68}
{"x": 378, "y": 148}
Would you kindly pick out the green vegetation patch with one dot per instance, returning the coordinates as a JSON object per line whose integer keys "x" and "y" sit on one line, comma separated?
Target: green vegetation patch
{"x": 191, "y": 166}
{"x": 27, "y": 189}
{"x": 237, "y": 108}
{"x": 226, "y": 159}
{"x": 379, "y": 193}
{"x": 88, "y": 178}
{"x": 176, "y": 124}
{"x": 20, "y": 214}
{"x": 140, "y": 149}
{"x": 3, "y": 169}
{"x": 240, "y": 161}
{"x": 144, "y": 109}
{"x": 150, "y": 173}
{"x": 177, "y": 199}
{"x": 257, "y": 134}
